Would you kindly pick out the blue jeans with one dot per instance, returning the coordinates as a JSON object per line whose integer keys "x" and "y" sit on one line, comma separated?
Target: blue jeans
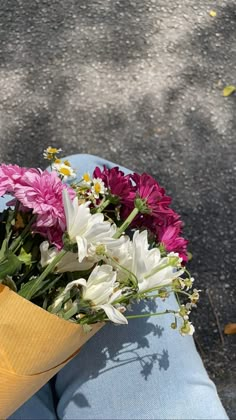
{"x": 144, "y": 370}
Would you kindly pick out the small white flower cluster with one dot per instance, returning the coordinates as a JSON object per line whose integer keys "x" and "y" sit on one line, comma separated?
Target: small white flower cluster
{"x": 94, "y": 188}
{"x": 183, "y": 286}
{"x": 119, "y": 269}
{"x": 64, "y": 169}
{"x": 51, "y": 152}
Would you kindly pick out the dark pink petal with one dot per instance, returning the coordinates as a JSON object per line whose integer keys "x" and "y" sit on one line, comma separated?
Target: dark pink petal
{"x": 148, "y": 189}
{"x": 118, "y": 184}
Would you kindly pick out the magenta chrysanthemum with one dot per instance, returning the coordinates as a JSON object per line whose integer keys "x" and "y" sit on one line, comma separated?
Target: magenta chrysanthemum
{"x": 118, "y": 184}
{"x": 170, "y": 237}
{"x": 151, "y": 193}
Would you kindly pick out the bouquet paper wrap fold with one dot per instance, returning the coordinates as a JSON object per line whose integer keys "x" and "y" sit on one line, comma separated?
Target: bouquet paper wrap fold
{"x": 34, "y": 346}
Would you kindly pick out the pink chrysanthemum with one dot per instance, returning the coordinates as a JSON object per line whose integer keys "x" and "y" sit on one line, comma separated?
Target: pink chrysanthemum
{"x": 53, "y": 234}
{"x": 10, "y": 175}
{"x": 118, "y": 184}
{"x": 41, "y": 191}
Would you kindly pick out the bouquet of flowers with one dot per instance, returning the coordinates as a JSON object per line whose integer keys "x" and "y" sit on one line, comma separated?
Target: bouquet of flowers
{"x": 75, "y": 255}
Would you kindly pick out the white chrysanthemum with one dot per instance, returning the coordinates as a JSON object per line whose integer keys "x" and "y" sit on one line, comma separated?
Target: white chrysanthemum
{"x": 87, "y": 230}
{"x": 101, "y": 291}
{"x": 47, "y": 254}
{"x": 68, "y": 263}
{"x": 149, "y": 267}
{"x": 120, "y": 257}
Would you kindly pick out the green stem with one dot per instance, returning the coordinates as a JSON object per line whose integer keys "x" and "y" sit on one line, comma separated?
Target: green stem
{"x": 153, "y": 289}
{"x": 48, "y": 285}
{"x": 182, "y": 292}
{"x": 29, "y": 289}
{"x": 177, "y": 298}
{"x": 126, "y": 223}
{"x": 91, "y": 319}
{"x": 131, "y": 276}
{"x": 156, "y": 270}
{"x": 103, "y": 206}
{"x": 71, "y": 312}
{"x": 167, "y": 311}
{"x": 188, "y": 273}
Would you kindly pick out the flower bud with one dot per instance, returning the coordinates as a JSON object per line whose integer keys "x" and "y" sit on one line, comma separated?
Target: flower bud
{"x": 141, "y": 205}
{"x": 187, "y": 328}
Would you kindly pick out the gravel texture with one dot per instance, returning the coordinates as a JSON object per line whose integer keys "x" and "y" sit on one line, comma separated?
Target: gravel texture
{"x": 138, "y": 82}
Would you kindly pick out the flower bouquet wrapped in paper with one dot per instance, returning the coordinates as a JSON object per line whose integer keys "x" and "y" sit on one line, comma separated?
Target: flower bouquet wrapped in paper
{"x": 75, "y": 256}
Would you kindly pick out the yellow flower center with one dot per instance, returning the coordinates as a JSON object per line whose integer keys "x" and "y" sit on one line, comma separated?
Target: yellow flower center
{"x": 57, "y": 161}
{"x": 97, "y": 188}
{"x": 86, "y": 177}
{"x": 65, "y": 171}
{"x": 52, "y": 150}
{"x": 100, "y": 249}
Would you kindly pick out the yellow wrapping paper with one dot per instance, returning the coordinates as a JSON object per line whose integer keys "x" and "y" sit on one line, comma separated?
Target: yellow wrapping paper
{"x": 34, "y": 346}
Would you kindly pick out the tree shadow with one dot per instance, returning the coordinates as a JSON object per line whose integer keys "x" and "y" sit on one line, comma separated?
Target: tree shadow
{"x": 134, "y": 347}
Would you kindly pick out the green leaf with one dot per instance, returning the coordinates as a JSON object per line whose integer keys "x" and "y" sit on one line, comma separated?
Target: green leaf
{"x": 3, "y": 249}
{"x": 25, "y": 257}
{"x": 10, "y": 265}
{"x": 26, "y": 287}
{"x": 87, "y": 328}
{"x": 228, "y": 90}
{"x": 48, "y": 284}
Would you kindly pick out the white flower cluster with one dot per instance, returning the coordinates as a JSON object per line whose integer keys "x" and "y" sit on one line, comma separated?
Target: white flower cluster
{"x": 118, "y": 268}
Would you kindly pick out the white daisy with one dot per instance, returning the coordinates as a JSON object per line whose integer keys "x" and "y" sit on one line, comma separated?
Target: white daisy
{"x": 98, "y": 187}
{"x": 64, "y": 170}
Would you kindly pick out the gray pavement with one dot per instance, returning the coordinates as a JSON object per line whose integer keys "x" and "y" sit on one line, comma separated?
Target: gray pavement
{"x": 138, "y": 82}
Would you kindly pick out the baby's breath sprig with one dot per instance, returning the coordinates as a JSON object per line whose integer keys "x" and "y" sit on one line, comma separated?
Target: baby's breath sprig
{"x": 63, "y": 168}
{"x": 51, "y": 153}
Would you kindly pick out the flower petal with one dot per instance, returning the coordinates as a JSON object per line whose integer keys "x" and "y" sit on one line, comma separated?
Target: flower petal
{"x": 68, "y": 207}
{"x": 82, "y": 247}
{"x": 113, "y": 314}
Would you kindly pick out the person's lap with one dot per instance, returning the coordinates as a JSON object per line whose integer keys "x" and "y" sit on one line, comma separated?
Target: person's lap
{"x": 141, "y": 371}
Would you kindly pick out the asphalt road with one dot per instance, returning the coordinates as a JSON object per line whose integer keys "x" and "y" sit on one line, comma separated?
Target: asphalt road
{"x": 138, "y": 82}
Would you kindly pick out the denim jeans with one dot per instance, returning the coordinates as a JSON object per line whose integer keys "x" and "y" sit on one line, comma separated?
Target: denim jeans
{"x": 144, "y": 370}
